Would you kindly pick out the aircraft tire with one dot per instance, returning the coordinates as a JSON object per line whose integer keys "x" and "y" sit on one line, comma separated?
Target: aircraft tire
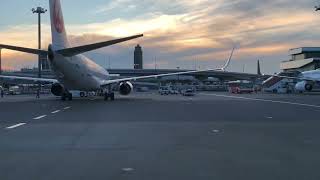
{"x": 106, "y": 96}
{"x": 112, "y": 96}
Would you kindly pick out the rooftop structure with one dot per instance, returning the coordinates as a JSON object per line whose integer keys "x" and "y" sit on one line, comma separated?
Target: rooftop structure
{"x": 302, "y": 59}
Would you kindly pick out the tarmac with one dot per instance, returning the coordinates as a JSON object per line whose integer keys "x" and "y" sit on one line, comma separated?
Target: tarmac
{"x": 148, "y": 136}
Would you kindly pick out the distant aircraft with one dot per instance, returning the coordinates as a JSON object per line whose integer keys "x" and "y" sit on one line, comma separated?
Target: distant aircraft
{"x": 309, "y": 79}
{"x": 74, "y": 71}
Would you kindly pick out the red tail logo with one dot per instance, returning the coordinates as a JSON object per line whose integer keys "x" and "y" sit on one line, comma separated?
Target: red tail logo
{"x": 57, "y": 17}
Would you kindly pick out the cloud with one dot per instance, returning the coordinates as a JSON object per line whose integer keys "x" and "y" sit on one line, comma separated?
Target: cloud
{"x": 179, "y": 31}
{"x": 13, "y": 61}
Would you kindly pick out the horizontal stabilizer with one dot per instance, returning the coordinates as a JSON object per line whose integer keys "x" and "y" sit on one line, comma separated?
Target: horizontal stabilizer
{"x": 23, "y": 49}
{"x": 28, "y": 79}
{"x": 82, "y": 49}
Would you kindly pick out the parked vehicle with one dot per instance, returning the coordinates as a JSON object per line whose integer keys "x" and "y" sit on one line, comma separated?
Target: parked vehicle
{"x": 173, "y": 91}
{"x": 164, "y": 91}
{"x": 189, "y": 92}
{"x": 14, "y": 90}
{"x": 239, "y": 87}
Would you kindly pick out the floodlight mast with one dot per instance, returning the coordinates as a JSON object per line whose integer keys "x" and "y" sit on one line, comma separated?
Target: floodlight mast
{"x": 39, "y": 11}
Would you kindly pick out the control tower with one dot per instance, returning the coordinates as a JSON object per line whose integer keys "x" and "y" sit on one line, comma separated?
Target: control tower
{"x": 138, "y": 57}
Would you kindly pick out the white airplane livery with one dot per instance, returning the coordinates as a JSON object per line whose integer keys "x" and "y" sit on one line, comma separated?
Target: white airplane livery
{"x": 306, "y": 80}
{"x": 73, "y": 70}
{"x": 309, "y": 79}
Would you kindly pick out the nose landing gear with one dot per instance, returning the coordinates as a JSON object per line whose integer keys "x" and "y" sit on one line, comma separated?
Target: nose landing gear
{"x": 108, "y": 94}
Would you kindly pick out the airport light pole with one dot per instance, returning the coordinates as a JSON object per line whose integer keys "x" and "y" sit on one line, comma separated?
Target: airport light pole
{"x": 39, "y": 11}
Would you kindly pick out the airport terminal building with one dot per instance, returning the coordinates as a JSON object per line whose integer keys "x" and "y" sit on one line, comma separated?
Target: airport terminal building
{"x": 302, "y": 59}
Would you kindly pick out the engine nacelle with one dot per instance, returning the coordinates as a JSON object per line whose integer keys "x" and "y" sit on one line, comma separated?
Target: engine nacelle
{"x": 57, "y": 89}
{"x": 304, "y": 86}
{"x": 125, "y": 88}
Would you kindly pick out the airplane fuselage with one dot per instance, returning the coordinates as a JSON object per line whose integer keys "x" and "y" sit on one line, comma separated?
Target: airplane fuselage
{"x": 78, "y": 72}
{"x": 314, "y": 74}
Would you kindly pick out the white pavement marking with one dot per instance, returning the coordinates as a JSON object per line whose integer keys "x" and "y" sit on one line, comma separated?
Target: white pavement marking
{"x": 127, "y": 169}
{"x": 39, "y": 117}
{"x": 54, "y": 112}
{"x": 269, "y": 117}
{"x": 264, "y": 100}
{"x": 15, "y": 126}
{"x": 215, "y": 131}
{"x": 66, "y": 108}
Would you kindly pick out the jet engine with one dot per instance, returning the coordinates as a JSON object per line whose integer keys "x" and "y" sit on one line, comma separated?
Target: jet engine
{"x": 57, "y": 89}
{"x": 125, "y": 88}
{"x": 304, "y": 86}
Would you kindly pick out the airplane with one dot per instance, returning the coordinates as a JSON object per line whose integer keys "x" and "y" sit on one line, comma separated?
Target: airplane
{"x": 306, "y": 80}
{"x": 74, "y": 71}
{"x": 309, "y": 80}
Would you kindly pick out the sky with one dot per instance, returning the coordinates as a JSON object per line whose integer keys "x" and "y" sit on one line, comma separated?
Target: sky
{"x": 177, "y": 33}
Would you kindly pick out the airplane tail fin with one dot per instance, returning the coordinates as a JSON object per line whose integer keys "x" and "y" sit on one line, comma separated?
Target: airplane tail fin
{"x": 59, "y": 35}
{"x": 258, "y": 68}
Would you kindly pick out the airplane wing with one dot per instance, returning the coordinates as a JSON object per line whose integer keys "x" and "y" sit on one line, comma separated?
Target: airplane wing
{"x": 29, "y": 79}
{"x": 82, "y": 49}
{"x": 218, "y": 71}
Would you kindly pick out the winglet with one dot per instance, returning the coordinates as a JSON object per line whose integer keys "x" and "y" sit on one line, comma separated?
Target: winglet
{"x": 228, "y": 61}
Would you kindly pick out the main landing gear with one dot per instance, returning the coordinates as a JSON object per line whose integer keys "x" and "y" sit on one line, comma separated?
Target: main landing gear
{"x": 66, "y": 96}
{"x": 108, "y": 96}
{"x": 108, "y": 93}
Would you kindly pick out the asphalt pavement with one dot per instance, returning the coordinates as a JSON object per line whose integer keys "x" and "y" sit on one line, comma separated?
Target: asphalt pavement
{"x": 148, "y": 136}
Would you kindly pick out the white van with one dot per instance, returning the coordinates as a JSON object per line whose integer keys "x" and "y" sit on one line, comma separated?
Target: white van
{"x": 14, "y": 90}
